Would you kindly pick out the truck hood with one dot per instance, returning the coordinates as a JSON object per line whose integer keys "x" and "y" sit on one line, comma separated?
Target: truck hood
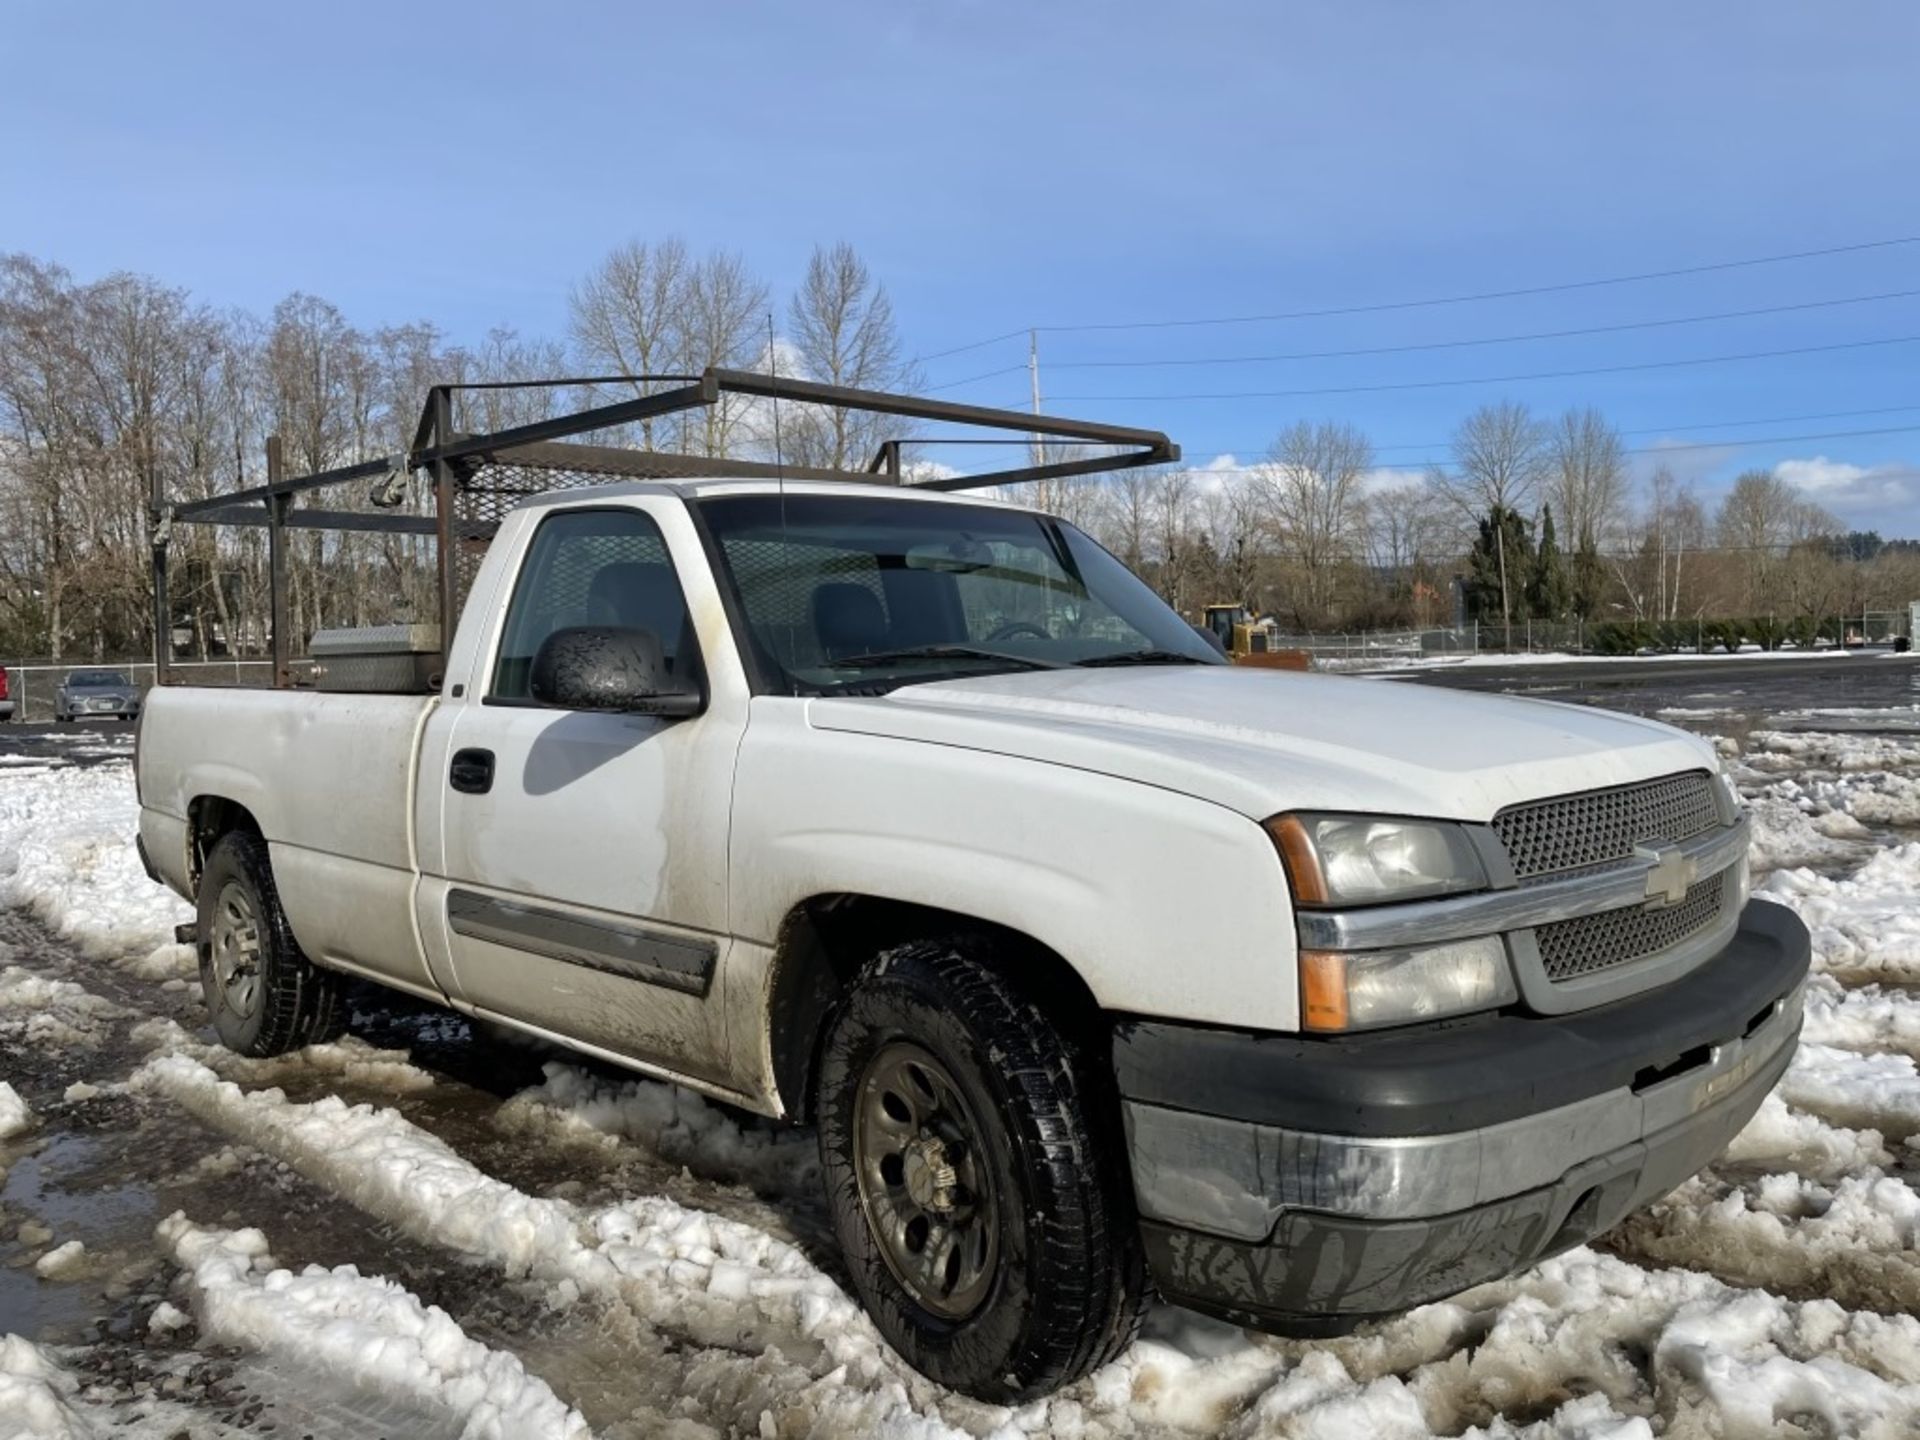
{"x": 1263, "y": 741}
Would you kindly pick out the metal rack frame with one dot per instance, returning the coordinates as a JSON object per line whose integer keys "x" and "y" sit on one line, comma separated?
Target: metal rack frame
{"x": 452, "y": 459}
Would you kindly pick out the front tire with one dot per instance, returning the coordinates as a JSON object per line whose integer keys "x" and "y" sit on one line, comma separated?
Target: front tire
{"x": 975, "y": 1171}
{"x": 265, "y": 996}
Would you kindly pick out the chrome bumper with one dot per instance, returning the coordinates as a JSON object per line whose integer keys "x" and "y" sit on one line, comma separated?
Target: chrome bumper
{"x": 1303, "y": 1185}
{"x": 1231, "y": 1177}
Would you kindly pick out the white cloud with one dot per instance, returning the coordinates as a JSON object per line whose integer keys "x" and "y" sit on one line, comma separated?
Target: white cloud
{"x": 1839, "y": 483}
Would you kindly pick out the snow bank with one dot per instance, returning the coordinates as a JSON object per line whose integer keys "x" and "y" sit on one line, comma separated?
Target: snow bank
{"x": 675, "y": 1124}
{"x": 1875, "y": 1091}
{"x": 1866, "y": 1019}
{"x": 1564, "y": 1329}
{"x": 724, "y": 1283}
{"x": 1853, "y": 1241}
{"x": 348, "y": 1059}
{"x": 66, "y": 854}
{"x": 35, "y": 1395}
{"x": 15, "y": 1117}
{"x": 1786, "y": 832}
{"x": 365, "y": 1331}
{"x": 1867, "y": 924}
{"x": 1785, "y": 1139}
{"x": 1785, "y": 750}
{"x": 42, "y": 1013}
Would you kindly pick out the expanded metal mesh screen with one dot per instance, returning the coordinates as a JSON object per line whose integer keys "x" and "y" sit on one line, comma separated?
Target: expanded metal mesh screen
{"x": 484, "y": 498}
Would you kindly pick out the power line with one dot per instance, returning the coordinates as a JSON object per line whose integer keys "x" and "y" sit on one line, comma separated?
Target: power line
{"x": 1465, "y": 344}
{"x": 1466, "y": 299}
{"x": 1642, "y": 431}
{"x": 1504, "y": 379}
{"x": 972, "y": 345}
{"x": 1630, "y": 450}
{"x": 989, "y": 375}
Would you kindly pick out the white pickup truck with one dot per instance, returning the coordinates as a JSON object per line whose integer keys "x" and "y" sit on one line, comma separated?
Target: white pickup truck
{"x": 1099, "y": 963}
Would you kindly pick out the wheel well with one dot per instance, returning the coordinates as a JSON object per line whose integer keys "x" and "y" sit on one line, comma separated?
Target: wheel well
{"x": 825, "y": 940}
{"x": 210, "y": 817}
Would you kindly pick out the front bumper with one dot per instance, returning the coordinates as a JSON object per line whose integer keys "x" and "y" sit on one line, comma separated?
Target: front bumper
{"x": 1308, "y": 1184}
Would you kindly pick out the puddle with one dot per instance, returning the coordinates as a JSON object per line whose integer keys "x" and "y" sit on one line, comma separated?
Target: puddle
{"x": 63, "y": 1186}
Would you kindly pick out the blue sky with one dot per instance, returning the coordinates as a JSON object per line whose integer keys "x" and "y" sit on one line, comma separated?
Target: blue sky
{"x": 1067, "y": 164}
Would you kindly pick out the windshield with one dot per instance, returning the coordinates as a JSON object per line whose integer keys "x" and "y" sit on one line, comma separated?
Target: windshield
{"x": 866, "y": 592}
{"x": 96, "y": 679}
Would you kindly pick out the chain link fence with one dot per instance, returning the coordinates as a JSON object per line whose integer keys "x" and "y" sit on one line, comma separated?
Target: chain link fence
{"x": 1386, "y": 649}
{"x": 31, "y": 687}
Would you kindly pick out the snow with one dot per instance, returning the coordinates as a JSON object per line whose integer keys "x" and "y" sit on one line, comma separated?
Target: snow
{"x": 1491, "y": 658}
{"x": 15, "y": 1117}
{"x": 1863, "y": 924}
{"x": 44, "y": 1013}
{"x": 361, "y": 1331}
{"x": 67, "y": 854}
{"x": 675, "y": 1124}
{"x": 1775, "y": 1293}
{"x": 34, "y": 1395}
{"x": 61, "y": 1262}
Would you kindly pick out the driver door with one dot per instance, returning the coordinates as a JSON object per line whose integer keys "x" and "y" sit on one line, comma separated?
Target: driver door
{"x": 584, "y": 853}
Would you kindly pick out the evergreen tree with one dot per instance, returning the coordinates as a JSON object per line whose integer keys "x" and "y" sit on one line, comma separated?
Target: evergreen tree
{"x": 1506, "y": 529}
{"x": 1551, "y": 591}
{"x": 1589, "y": 578}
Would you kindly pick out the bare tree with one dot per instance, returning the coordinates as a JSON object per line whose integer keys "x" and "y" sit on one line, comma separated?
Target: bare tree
{"x": 1312, "y": 481}
{"x": 1171, "y": 512}
{"x": 1126, "y": 523}
{"x": 1586, "y": 481}
{"x": 629, "y": 316}
{"x": 724, "y": 324}
{"x": 1761, "y": 518}
{"x": 1412, "y": 531}
{"x": 1235, "y": 520}
{"x": 843, "y": 333}
{"x": 1500, "y": 457}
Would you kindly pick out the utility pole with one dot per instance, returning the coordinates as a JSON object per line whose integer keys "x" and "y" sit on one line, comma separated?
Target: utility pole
{"x": 1039, "y": 455}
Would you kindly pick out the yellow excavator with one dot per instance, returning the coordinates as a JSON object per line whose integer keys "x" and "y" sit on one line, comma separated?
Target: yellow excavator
{"x": 1248, "y": 641}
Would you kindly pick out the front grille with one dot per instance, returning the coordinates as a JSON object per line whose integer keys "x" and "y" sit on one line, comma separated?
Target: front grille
{"x": 1572, "y": 948}
{"x": 1600, "y": 827}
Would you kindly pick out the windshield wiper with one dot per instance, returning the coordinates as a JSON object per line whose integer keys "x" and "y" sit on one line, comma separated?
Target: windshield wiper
{"x": 940, "y": 652}
{"x": 1142, "y": 657}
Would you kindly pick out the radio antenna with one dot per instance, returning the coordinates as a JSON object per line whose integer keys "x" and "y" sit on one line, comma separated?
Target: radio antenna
{"x": 779, "y": 455}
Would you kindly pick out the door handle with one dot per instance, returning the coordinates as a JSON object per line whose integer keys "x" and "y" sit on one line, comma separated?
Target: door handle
{"x": 471, "y": 772}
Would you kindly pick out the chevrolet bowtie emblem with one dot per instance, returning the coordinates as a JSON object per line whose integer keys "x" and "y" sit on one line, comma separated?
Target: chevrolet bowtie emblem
{"x": 1671, "y": 875}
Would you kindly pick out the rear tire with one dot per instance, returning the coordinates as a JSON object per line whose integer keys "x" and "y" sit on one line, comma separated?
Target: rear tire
{"x": 265, "y": 996}
{"x": 974, "y": 1166}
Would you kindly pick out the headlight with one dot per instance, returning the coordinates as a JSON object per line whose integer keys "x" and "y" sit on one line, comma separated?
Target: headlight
{"x": 1369, "y": 988}
{"x": 1360, "y": 860}
{"x": 1729, "y": 794}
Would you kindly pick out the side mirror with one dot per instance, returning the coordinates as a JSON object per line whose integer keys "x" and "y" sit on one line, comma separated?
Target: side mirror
{"x": 607, "y": 668}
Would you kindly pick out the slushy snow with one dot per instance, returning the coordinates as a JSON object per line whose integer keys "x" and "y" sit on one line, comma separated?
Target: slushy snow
{"x": 361, "y": 1331}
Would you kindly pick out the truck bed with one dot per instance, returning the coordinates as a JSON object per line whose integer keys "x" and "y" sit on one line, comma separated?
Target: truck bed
{"x": 338, "y": 817}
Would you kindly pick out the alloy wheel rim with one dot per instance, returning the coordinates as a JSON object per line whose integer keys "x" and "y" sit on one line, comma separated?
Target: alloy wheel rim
{"x": 928, "y": 1193}
{"x": 233, "y": 945}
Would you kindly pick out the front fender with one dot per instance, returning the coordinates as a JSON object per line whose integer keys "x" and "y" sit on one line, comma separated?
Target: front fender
{"x": 1164, "y": 904}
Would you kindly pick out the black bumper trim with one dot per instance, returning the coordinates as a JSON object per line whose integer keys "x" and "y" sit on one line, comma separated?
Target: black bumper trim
{"x": 1463, "y": 1075}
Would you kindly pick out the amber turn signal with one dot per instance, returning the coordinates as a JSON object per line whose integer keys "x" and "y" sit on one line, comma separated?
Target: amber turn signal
{"x": 1298, "y": 855}
{"x": 1323, "y": 990}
